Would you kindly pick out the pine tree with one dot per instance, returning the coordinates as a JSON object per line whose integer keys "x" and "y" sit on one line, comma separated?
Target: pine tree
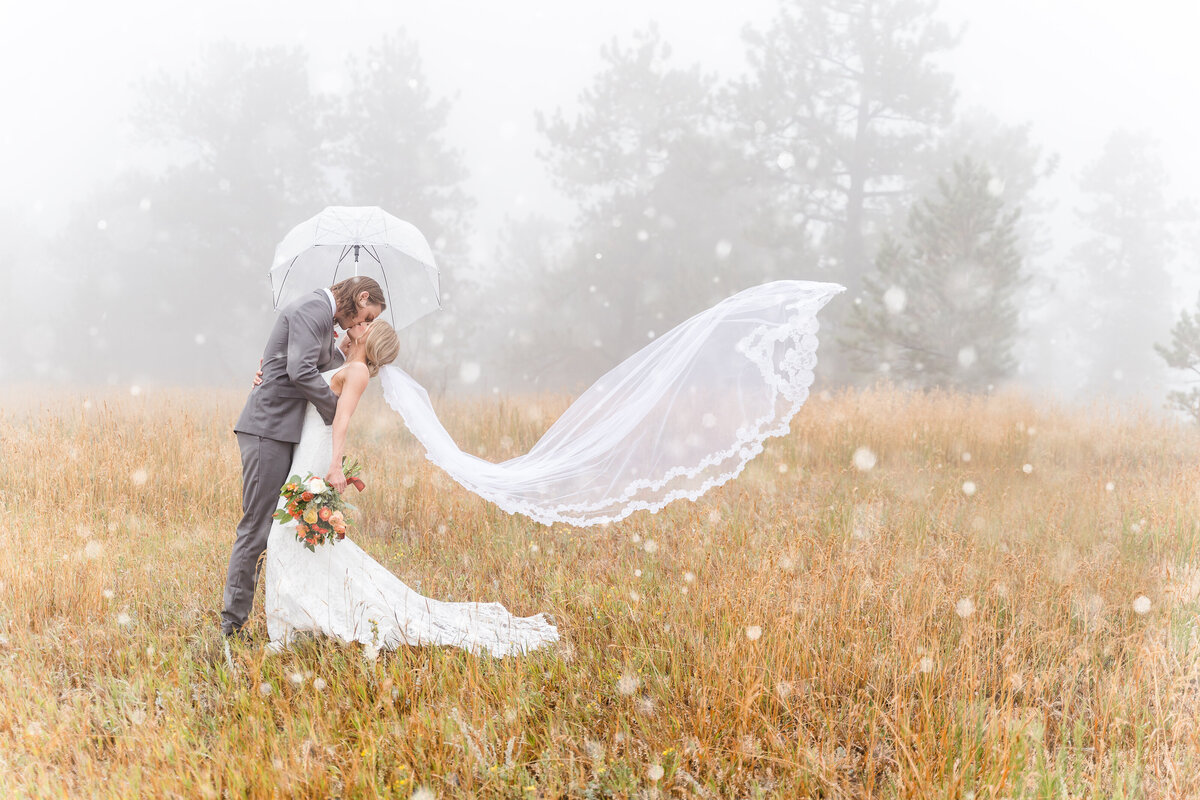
{"x": 941, "y": 307}
{"x": 1124, "y": 305}
{"x": 1184, "y": 354}
{"x": 841, "y": 110}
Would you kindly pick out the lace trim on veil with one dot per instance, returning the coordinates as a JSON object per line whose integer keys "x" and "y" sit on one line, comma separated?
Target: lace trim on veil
{"x": 784, "y": 353}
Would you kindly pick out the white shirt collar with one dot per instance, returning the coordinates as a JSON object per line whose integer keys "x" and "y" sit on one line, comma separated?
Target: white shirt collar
{"x": 332, "y": 302}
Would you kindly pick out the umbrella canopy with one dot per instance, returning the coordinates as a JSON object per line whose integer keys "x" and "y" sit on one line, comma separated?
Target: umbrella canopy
{"x": 344, "y": 241}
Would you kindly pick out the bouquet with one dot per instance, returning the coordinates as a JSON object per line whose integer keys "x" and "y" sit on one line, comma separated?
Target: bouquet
{"x": 316, "y": 507}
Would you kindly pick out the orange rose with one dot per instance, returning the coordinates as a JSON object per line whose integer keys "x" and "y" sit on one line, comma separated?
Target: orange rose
{"x": 306, "y": 496}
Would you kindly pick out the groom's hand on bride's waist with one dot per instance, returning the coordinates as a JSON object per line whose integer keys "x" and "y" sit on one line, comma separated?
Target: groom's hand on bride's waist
{"x": 258, "y": 375}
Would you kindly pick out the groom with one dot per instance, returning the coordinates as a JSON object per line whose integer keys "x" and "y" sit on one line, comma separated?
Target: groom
{"x": 299, "y": 349}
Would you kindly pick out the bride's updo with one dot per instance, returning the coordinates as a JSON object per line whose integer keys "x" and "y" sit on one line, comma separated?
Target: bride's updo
{"x": 381, "y": 345}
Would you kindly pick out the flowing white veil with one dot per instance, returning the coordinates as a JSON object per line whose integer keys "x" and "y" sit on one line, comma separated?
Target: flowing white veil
{"x": 682, "y": 415}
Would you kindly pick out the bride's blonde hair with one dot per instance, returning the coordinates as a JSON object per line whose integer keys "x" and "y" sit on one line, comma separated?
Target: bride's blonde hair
{"x": 381, "y": 345}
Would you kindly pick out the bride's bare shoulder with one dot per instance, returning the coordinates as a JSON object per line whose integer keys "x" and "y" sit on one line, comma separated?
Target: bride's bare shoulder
{"x": 353, "y": 374}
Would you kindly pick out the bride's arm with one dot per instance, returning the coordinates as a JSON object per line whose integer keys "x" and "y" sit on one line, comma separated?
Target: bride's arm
{"x": 353, "y": 386}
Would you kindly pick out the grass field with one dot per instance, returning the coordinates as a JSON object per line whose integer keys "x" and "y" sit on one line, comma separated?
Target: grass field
{"x": 1005, "y": 605}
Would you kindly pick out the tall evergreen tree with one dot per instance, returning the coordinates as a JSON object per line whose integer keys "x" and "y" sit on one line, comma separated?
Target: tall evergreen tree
{"x": 1184, "y": 355}
{"x": 941, "y": 309}
{"x": 662, "y": 229}
{"x": 842, "y": 108}
{"x": 1124, "y": 306}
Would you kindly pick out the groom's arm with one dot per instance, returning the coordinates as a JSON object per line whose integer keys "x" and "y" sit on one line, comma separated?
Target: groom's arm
{"x": 305, "y": 341}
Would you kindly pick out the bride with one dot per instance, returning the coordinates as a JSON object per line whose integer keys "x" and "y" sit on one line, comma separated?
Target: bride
{"x": 339, "y": 590}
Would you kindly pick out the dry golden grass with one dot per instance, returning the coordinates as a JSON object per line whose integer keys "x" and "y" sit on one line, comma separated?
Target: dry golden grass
{"x": 809, "y": 629}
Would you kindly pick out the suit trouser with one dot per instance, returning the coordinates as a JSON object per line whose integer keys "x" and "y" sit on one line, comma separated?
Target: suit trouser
{"x": 265, "y": 465}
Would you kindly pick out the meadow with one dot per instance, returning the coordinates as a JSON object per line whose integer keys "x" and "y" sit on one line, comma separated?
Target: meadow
{"x": 911, "y": 595}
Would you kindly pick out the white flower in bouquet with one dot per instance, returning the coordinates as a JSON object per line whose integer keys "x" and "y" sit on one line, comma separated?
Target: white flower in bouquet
{"x": 317, "y": 485}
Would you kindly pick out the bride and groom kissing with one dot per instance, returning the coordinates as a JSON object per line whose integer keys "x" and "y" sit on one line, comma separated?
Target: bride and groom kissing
{"x": 295, "y": 422}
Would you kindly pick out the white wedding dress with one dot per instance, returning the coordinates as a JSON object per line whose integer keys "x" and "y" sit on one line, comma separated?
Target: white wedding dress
{"x": 342, "y": 592}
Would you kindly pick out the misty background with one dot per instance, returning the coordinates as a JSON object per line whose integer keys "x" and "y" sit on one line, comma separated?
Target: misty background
{"x": 1008, "y": 190}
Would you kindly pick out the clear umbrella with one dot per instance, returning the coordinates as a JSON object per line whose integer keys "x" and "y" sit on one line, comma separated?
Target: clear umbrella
{"x": 344, "y": 241}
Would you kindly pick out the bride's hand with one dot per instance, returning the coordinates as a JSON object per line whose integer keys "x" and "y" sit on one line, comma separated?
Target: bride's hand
{"x": 336, "y": 479}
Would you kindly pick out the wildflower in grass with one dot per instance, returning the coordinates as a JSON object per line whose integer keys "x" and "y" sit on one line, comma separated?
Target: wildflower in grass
{"x": 864, "y": 459}
{"x": 1142, "y": 604}
{"x": 319, "y": 684}
{"x": 965, "y": 607}
{"x": 296, "y": 678}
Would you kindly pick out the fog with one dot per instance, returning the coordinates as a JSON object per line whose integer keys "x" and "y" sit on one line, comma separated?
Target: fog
{"x": 144, "y": 193}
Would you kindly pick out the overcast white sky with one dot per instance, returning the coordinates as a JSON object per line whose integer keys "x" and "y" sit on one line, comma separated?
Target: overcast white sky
{"x": 1075, "y": 68}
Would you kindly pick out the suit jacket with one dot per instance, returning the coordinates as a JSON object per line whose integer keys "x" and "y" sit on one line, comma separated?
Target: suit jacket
{"x": 299, "y": 349}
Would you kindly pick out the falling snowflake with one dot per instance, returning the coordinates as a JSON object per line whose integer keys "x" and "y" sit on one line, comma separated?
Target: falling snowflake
{"x": 714, "y": 517}
{"x": 864, "y": 459}
{"x": 200, "y": 338}
{"x": 319, "y": 684}
{"x": 1142, "y": 604}
{"x": 135, "y": 390}
{"x": 754, "y": 633}
{"x": 783, "y": 468}
{"x": 995, "y": 187}
{"x": 965, "y": 607}
{"x": 637, "y": 573}
{"x": 968, "y": 488}
{"x": 655, "y": 772}
{"x": 645, "y": 705}
{"x": 723, "y": 249}
{"x": 138, "y": 477}
{"x": 469, "y": 372}
{"x": 925, "y": 664}
{"x": 436, "y": 338}
{"x": 93, "y": 549}
{"x": 102, "y": 225}
{"x": 634, "y": 596}
{"x": 895, "y": 299}
{"x": 967, "y": 357}
{"x": 708, "y": 420}
{"x": 107, "y": 593}
{"x": 627, "y": 684}
{"x": 424, "y": 793}
{"x": 1108, "y": 487}
{"x": 137, "y": 716}
{"x": 123, "y": 619}
{"x": 643, "y": 235}
{"x": 1027, "y": 469}
{"x": 296, "y": 678}
{"x": 786, "y": 161}
{"x": 689, "y": 577}
{"x": 651, "y": 546}
{"x": 966, "y": 457}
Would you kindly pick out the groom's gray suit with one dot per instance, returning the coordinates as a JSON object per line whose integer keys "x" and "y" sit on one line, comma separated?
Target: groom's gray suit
{"x": 299, "y": 349}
